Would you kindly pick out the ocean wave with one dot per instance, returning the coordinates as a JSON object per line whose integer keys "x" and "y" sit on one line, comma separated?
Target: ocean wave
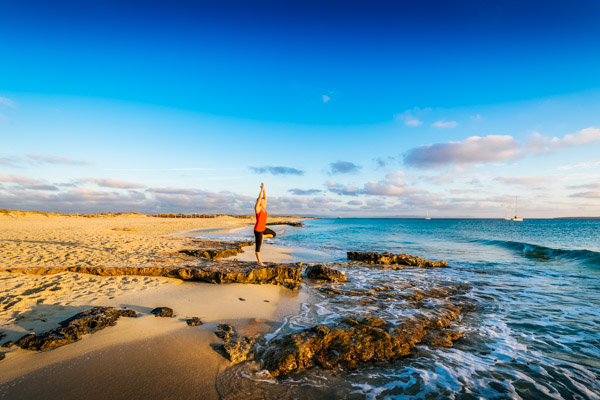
{"x": 542, "y": 253}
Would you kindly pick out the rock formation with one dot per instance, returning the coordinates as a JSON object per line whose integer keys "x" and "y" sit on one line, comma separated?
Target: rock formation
{"x": 215, "y": 249}
{"x": 290, "y": 223}
{"x": 237, "y": 349}
{"x": 72, "y": 329}
{"x": 287, "y": 275}
{"x": 322, "y": 272}
{"x": 194, "y": 321}
{"x": 394, "y": 259}
{"x": 164, "y": 312}
{"x": 351, "y": 342}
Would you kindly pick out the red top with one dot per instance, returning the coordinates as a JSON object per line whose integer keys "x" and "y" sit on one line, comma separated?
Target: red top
{"x": 261, "y": 221}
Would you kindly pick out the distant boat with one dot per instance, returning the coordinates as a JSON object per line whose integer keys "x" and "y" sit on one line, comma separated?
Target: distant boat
{"x": 506, "y": 217}
{"x": 340, "y": 217}
{"x": 427, "y": 217}
{"x": 516, "y": 217}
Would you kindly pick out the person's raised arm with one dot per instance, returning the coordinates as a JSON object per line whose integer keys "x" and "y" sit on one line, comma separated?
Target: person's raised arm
{"x": 260, "y": 196}
{"x": 264, "y": 195}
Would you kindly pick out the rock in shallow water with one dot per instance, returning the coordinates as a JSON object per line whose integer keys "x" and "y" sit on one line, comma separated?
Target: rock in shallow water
{"x": 322, "y": 272}
{"x": 352, "y": 342}
{"x": 73, "y": 328}
{"x": 237, "y": 349}
{"x": 165, "y": 312}
{"x": 393, "y": 259}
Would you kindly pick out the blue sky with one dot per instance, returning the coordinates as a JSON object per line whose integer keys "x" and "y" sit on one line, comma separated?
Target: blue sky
{"x": 353, "y": 108}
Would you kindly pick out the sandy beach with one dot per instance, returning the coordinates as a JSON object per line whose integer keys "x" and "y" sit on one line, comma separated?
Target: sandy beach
{"x": 153, "y": 350}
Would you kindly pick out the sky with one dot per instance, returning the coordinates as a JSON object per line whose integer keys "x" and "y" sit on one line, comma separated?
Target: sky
{"x": 353, "y": 109}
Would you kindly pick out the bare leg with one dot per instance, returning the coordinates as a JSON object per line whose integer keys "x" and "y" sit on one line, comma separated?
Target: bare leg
{"x": 258, "y": 258}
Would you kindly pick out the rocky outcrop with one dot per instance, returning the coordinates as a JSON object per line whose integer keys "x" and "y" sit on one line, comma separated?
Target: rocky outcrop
{"x": 322, "y": 272}
{"x": 287, "y": 275}
{"x": 194, "y": 321}
{"x": 235, "y": 348}
{"x": 164, "y": 312}
{"x": 290, "y": 223}
{"x": 2, "y": 356}
{"x": 215, "y": 249}
{"x": 72, "y": 329}
{"x": 400, "y": 260}
{"x": 351, "y": 342}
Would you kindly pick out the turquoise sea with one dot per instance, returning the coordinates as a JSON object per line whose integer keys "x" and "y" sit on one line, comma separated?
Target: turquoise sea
{"x": 531, "y": 330}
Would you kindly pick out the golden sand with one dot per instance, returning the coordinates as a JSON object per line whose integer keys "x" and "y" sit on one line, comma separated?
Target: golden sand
{"x": 37, "y": 303}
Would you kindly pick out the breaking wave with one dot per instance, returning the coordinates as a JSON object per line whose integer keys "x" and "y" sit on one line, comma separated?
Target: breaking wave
{"x": 542, "y": 253}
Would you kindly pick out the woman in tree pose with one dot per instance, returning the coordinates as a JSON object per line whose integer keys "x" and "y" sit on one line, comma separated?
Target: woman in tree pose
{"x": 260, "y": 229}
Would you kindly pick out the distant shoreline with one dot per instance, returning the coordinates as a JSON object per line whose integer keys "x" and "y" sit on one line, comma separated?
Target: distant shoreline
{"x": 16, "y": 213}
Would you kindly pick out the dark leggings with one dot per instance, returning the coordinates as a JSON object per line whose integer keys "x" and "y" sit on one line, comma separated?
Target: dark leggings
{"x": 259, "y": 237}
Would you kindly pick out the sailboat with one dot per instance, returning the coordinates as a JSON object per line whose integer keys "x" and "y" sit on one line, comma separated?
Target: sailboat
{"x": 427, "y": 217}
{"x": 506, "y": 217}
{"x": 516, "y": 217}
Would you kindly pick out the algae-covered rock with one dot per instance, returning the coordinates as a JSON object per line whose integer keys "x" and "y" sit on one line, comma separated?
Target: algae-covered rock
{"x": 72, "y": 329}
{"x": 214, "y": 249}
{"x": 322, "y": 272}
{"x": 394, "y": 259}
{"x": 194, "y": 321}
{"x": 237, "y": 349}
{"x": 290, "y": 223}
{"x": 165, "y": 312}
{"x": 352, "y": 342}
{"x": 218, "y": 272}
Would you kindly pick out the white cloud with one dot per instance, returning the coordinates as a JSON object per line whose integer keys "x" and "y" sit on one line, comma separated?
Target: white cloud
{"x": 113, "y": 183}
{"x": 6, "y": 102}
{"x": 582, "y": 165}
{"x": 50, "y": 159}
{"x": 437, "y": 179}
{"x": 325, "y": 98}
{"x": 10, "y": 161}
{"x": 474, "y": 149}
{"x": 343, "y": 167}
{"x": 412, "y": 122}
{"x": 340, "y": 189}
{"x": 15, "y": 179}
{"x": 529, "y": 181}
{"x": 392, "y": 185}
{"x": 543, "y": 144}
{"x": 445, "y": 124}
{"x": 587, "y": 195}
{"x": 412, "y": 117}
{"x": 593, "y": 185}
{"x": 382, "y": 162}
{"x": 26, "y": 183}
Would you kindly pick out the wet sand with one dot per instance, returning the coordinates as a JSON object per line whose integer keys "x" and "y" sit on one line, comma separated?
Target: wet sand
{"x": 144, "y": 357}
